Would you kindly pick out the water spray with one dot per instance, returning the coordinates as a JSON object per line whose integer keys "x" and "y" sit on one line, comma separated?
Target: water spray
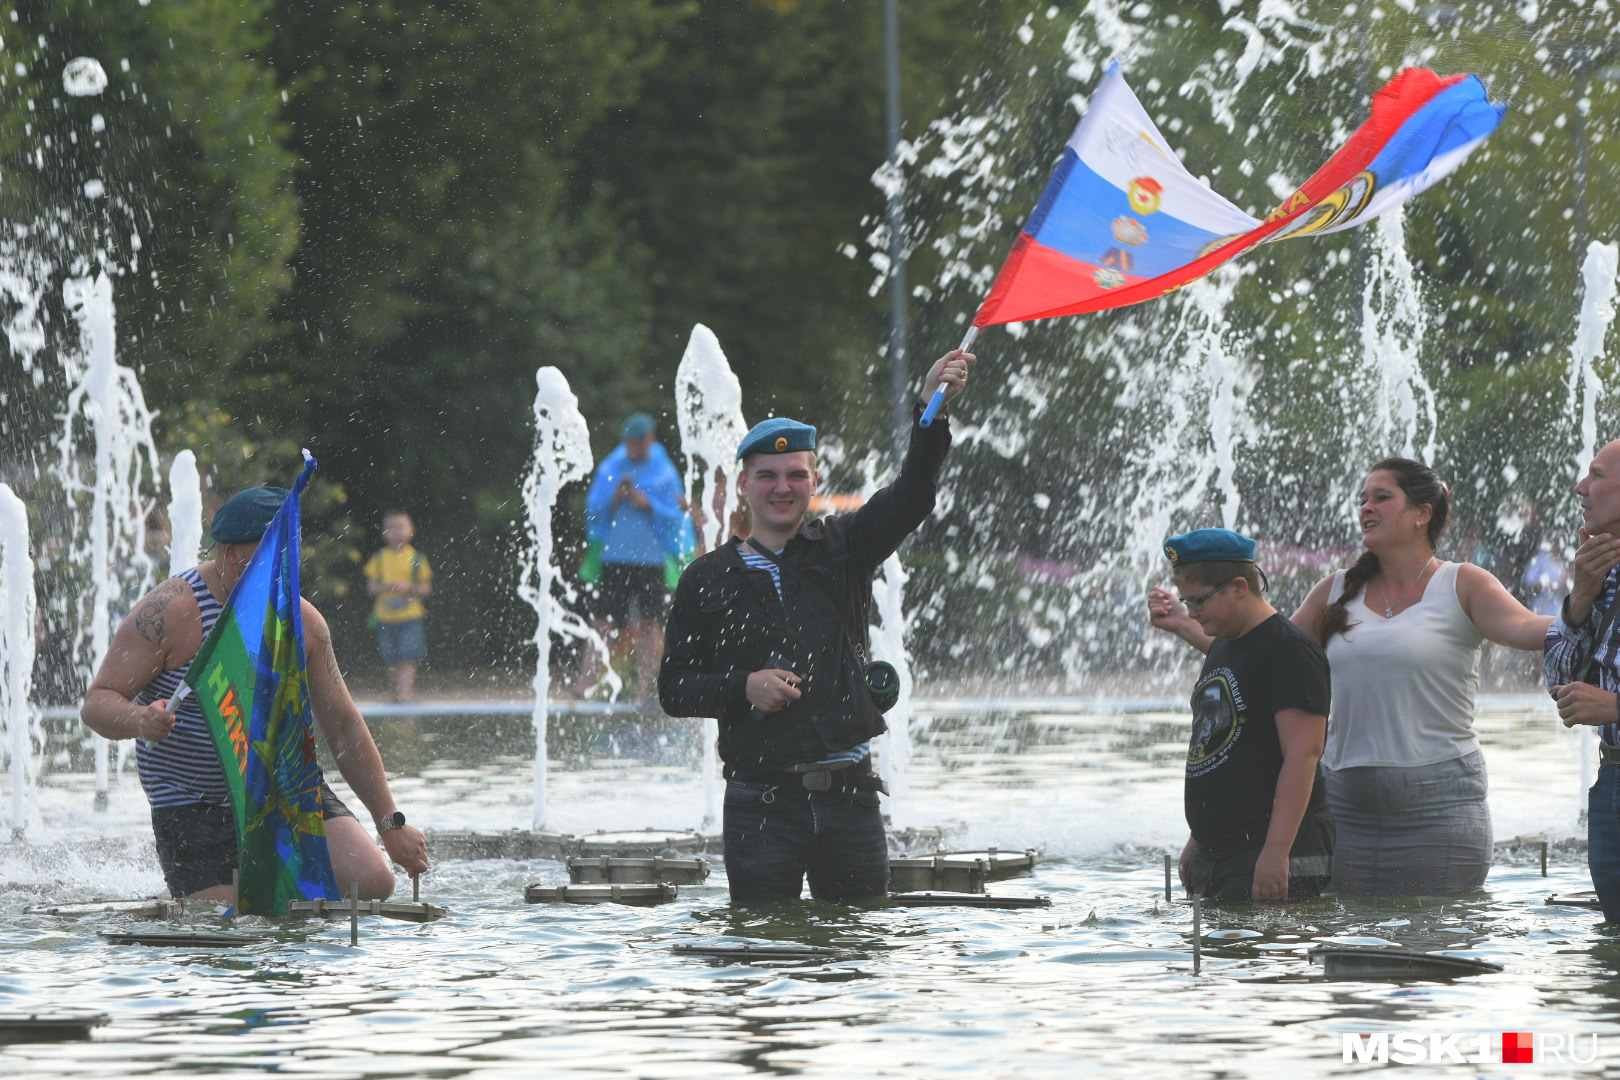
{"x": 562, "y": 453}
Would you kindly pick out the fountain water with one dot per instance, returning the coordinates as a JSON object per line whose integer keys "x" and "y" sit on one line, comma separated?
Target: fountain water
{"x": 1598, "y": 273}
{"x": 19, "y": 722}
{"x": 889, "y": 643}
{"x": 109, "y": 499}
{"x": 185, "y": 512}
{"x": 708, "y": 410}
{"x": 1200, "y": 379}
{"x": 1391, "y": 394}
{"x": 562, "y": 453}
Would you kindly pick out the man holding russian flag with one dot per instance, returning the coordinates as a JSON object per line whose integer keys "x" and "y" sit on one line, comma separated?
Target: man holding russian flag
{"x": 770, "y": 635}
{"x": 284, "y": 669}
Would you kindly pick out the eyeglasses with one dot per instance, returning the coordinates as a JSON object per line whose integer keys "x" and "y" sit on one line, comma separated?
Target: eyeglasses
{"x": 1194, "y": 603}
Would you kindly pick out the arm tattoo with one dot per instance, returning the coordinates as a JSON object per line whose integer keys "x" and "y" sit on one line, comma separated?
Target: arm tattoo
{"x": 330, "y": 653}
{"x": 149, "y": 617}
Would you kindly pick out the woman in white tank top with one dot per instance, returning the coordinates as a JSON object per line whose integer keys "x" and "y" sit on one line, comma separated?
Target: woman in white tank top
{"x": 1402, "y": 629}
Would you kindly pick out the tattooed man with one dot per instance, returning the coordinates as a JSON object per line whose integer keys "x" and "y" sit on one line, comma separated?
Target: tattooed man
{"x": 180, "y": 772}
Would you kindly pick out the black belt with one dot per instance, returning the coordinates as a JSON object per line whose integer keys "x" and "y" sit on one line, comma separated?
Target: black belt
{"x": 1609, "y": 755}
{"x": 856, "y": 779}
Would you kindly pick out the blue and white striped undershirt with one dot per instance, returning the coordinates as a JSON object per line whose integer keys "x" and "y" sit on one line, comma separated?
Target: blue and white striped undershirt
{"x": 183, "y": 768}
{"x": 761, "y": 562}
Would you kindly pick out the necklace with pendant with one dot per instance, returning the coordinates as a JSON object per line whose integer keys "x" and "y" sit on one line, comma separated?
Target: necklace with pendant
{"x": 1389, "y": 608}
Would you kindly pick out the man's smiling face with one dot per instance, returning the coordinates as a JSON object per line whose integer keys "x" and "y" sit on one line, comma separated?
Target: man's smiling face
{"x": 778, "y": 488}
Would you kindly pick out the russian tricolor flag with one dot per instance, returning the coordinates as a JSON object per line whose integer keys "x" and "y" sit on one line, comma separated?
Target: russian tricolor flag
{"x": 1122, "y": 220}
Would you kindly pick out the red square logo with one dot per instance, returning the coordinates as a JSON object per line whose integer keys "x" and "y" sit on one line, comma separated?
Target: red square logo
{"x": 1518, "y": 1048}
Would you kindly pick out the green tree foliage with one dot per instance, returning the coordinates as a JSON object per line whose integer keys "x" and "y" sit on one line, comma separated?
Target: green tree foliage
{"x": 176, "y": 179}
{"x": 747, "y": 167}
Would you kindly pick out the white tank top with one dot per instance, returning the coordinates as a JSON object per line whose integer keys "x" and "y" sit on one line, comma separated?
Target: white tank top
{"x": 1403, "y": 688}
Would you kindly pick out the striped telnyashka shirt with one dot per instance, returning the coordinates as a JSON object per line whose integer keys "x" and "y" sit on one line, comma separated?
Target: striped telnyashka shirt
{"x": 184, "y": 768}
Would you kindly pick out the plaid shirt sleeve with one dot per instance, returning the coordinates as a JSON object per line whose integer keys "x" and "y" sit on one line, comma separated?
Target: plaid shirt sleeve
{"x": 1569, "y": 648}
{"x": 1566, "y": 649}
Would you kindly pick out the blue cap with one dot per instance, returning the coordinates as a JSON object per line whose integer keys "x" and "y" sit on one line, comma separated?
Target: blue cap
{"x": 1209, "y": 545}
{"x": 777, "y": 436}
{"x": 245, "y": 515}
{"x": 639, "y": 426}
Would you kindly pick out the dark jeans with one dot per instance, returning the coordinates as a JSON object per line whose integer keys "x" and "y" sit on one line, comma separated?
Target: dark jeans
{"x": 1603, "y": 839}
{"x": 776, "y": 835}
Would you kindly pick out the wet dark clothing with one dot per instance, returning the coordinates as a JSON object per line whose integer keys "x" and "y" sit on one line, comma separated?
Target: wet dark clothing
{"x": 776, "y": 835}
{"x": 1234, "y": 757}
{"x": 1230, "y": 876}
{"x": 728, "y": 621}
{"x": 196, "y": 843}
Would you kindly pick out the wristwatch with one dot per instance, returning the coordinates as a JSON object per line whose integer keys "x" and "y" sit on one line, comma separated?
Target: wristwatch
{"x": 393, "y": 821}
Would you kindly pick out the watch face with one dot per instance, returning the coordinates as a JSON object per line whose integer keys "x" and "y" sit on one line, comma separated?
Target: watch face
{"x": 396, "y": 820}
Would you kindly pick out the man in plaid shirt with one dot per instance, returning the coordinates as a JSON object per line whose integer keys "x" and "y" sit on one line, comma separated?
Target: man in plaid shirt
{"x": 1582, "y": 663}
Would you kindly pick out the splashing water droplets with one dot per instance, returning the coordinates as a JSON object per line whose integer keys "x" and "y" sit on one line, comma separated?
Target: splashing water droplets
{"x": 708, "y": 410}
{"x": 562, "y": 453}
{"x": 1598, "y": 274}
{"x": 84, "y": 77}
{"x": 21, "y": 734}
{"x": 185, "y": 512}
{"x": 107, "y": 489}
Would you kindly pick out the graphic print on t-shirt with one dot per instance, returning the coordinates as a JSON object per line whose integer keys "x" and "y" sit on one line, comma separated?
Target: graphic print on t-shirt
{"x": 1217, "y": 721}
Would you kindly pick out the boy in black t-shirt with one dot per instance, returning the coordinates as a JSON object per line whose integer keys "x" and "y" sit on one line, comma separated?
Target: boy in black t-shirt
{"x": 1260, "y": 827}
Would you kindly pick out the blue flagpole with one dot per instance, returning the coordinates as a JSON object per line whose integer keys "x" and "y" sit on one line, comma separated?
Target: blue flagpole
{"x": 938, "y": 399}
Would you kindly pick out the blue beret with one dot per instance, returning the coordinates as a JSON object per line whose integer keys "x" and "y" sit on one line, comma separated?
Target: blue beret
{"x": 639, "y": 426}
{"x": 245, "y": 515}
{"x": 777, "y": 436}
{"x": 1209, "y": 545}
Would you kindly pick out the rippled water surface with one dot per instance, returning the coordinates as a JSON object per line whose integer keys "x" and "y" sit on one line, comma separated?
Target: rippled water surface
{"x": 1100, "y": 983}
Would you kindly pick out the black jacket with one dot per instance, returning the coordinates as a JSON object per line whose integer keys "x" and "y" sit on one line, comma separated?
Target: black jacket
{"x": 726, "y": 623}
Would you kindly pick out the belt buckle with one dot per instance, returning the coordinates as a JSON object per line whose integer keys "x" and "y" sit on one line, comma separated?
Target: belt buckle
{"x": 818, "y": 780}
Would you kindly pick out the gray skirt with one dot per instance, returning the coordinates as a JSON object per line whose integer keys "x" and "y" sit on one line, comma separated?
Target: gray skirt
{"x": 1422, "y": 830}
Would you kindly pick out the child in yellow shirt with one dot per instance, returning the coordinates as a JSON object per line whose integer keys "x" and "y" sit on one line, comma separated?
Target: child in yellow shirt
{"x": 398, "y": 577}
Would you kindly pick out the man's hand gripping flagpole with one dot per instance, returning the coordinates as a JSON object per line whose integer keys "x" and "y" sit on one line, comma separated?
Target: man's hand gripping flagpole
{"x": 938, "y": 400}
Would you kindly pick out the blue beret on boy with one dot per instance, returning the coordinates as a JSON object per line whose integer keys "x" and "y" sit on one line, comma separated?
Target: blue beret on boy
{"x": 1209, "y": 545}
{"x": 245, "y": 515}
{"x": 777, "y": 436}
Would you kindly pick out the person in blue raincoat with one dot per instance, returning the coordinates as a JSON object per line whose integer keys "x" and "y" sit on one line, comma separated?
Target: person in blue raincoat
{"x": 639, "y": 536}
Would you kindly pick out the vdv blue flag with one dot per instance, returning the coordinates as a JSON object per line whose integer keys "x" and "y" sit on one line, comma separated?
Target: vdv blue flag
{"x": 250, "y": 680}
